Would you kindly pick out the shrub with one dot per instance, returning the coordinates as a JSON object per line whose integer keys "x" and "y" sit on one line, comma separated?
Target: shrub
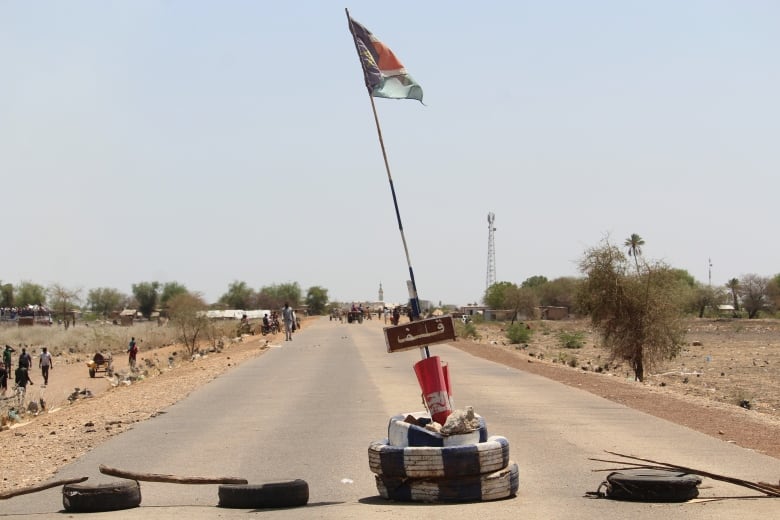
{"x": 466, "y": 330}
{"x": 518, "y": 333}
{"x": 572, "y": 339}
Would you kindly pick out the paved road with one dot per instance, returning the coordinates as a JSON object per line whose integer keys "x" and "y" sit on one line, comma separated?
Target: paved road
{"x": 310, "y": 408}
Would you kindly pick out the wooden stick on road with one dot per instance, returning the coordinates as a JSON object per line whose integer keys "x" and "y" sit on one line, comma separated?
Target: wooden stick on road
{"x": 173, "y": 479}
{"x": 40, "y": 487}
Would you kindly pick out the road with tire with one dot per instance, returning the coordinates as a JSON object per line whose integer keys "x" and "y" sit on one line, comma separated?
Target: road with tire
{"x": 310, "y": 408}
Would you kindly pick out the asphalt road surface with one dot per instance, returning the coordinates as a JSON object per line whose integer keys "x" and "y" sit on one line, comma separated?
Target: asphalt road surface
{"x": 310, "y": 408}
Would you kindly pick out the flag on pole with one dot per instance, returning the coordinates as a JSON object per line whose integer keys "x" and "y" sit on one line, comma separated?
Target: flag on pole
{"x": 385, "y": 75}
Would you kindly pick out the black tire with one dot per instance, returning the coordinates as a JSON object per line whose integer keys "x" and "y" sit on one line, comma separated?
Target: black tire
{"x": 285, "y": 493}
{"x": 83, "y": 498}
{"x": 433, "y": 462}
{"x": 91, "y": 372}
{"x": 503, "y": 483}
{"x": 652, "y": 485}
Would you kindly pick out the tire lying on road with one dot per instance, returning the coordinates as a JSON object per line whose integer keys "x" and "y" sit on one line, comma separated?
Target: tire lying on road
{"x": 652, "y": 485}
{"x": 285, "y": 493}
{"x": 84, "y": 498}
{"x": 503, "y": 483}
{"x": 432, "y": 462}
{"x": 402, "y": 433}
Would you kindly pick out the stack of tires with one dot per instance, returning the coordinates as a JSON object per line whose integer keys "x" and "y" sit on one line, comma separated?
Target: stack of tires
{"x": 417, "y": 465}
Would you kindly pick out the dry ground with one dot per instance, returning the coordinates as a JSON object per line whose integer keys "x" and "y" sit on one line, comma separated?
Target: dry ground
{"x": 735, "y": 361}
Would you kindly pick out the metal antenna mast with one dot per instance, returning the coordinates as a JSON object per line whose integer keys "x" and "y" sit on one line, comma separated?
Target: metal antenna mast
{"x": 491, "y": 262}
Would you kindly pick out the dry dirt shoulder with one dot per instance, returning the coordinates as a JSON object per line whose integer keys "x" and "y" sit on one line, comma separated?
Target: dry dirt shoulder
{"x": 743, "y": 427}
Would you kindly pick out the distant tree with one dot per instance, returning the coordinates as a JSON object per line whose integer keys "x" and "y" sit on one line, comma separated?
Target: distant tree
{"x": 6, "y": 295}
{"x": 684, "y": 277}
{"x": 634, "y": 244}
{"x": 238, "y": 296}
{"x": 534, "y": 281}
{"x": 169, "y": 290}
{"x": 774, "y": 291}
{"x": 104, "y": 300}
{"x": 733, "y": 286}
{"x": 275, "y": 296}
{"x": 702, "y": 297}
{"x": 147, "y": 295}
{"x": 186, "y": 311}
{"x": 639, "y": 317}
{"x": 497, "y": 295}
{"x": 522, "y": 300}
{"x": 754, "y": 291}
{"x": 560, "y": 292}
{"x": 64, "y": 301}
{"x": 316, "y": 300}
{"x": 29, "y": 293}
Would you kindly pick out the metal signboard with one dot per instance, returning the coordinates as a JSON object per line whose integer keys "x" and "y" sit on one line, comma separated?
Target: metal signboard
{"x": 421, "y": 333}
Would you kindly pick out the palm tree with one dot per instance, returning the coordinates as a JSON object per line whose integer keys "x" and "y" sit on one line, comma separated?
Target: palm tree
{"x": 634, "y": 244}
{"x": 733, "y": 286}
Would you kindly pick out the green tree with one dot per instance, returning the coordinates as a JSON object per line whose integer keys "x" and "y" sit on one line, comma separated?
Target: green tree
{"x": 186, "y": 311}
{"x": 522, "y": 300}
{"x": 754, "y": 291}
{"x": 104, "y": 300}
{"x": 733, "y": 286}
{"x": 6, "y": 295}
{"x": 685, "y": 278}
{"x": 702, "y": 297}
{"x": 169, "y": 290}
{"x": 147, "y": 295}
{"x": 238, "y": 296}
{"x": 634, "y": 244}
{"x": 497, "y": 295}
{"x": 534, "y": 282}
{"x": 275, "y": 296}
{"x": 316, "y": 300}
{"x": 29, "y": 293}
{"x": 64, "y": 301}
{"x": 560, "y": 292}
{"x": 639, "y": 317}
{"x": 774, "y": 291}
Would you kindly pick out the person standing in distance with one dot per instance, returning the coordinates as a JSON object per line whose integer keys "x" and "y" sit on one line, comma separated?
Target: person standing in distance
{"x": 45, "y": 363}
{"x": 132, "y": 351}
{"x": 288, "y": 317}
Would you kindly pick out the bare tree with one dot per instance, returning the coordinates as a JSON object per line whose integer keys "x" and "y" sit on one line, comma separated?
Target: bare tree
{"x": 187, "y": 314}
{"x": 63, "y": 301}
{"x": 754, "y": 291}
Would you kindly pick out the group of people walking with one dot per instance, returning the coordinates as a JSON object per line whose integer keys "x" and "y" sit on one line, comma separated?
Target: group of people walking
{"x": 21, "y": 375}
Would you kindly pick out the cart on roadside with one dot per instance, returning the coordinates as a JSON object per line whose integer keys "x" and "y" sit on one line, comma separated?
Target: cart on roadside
{"x": 101, "y": 363}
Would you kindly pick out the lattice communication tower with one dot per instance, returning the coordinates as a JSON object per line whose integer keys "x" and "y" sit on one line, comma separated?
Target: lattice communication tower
{"x": 491, "y": 262}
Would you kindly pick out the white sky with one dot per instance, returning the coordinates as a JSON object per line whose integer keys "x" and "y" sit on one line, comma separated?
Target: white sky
{"x": 205, "y": 142}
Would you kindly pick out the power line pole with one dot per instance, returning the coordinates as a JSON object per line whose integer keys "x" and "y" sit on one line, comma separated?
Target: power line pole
{"x": 491, "y": 261}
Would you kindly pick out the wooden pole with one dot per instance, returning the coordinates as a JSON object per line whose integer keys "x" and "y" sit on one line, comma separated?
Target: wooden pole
{"x": 416, "y": 302}
{"x": 40, "y": 487}
{"x": 172, "y": 479}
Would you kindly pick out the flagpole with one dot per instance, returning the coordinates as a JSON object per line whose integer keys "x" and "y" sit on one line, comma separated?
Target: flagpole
{"x": 415, "y": 314}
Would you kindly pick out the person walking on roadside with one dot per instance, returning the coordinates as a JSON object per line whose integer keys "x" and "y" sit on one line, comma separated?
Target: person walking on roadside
{"x": 289, "y": 318}
{"x": 132, "y": 351}
{"x": 25, "y": 361}
{"x": 3, "y": 379}
{"x": 7, "y": 360}
{"x": 45, "y": 363}
{"x": 22, "y": 377}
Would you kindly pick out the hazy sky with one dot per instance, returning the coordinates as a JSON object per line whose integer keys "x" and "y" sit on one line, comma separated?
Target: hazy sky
{"x": 205, "y": 142}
